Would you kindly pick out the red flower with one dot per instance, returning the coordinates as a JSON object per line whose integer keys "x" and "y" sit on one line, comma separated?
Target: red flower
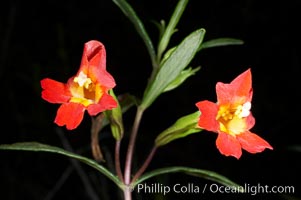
{"x": 87, "y": 90}
{"x": 231, "y": 117}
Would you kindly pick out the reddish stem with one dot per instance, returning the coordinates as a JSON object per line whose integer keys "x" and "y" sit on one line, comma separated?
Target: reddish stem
{"x": 145, "y": 164}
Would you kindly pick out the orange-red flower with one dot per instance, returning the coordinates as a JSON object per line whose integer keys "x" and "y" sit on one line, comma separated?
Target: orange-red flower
{"x": 87, "y": 90}
{"x": 231, "y": 117}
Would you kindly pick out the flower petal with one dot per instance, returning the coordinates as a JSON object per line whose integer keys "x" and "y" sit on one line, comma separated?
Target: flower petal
{"x": 106, "y": 102}
{"x": 228, "y": 145}
{"x": 94, "y": 64}
{"x": 242, "y": 84}
{"x": 240, "y": 89}
{"x": 54, "y": 91}
{"x": 103, "y": 77}
{"x": 250, "y": 121}
{"x": 94, "y": 54}
{"x": 70, "y": 114}
{"x": 252, "y": 142}
{"x": 207, "y": 119}
{"x": 224, "y": 96}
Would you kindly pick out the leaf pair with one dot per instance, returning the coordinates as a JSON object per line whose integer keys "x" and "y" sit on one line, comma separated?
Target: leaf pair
{"x": 38, "y": 147}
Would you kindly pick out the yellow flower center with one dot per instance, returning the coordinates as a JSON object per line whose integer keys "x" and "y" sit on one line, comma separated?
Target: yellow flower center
{"x": 232, "y": 118}
{"x": 84, "y": 91}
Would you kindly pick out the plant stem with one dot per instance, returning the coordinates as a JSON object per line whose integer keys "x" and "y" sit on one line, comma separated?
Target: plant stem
{"x": 117, "y": 160}
{"x": 129, "y": 155}
{"x": 145, "y": 164}
{"x": 127, "y": 193}
{"x": 95, "y": 130}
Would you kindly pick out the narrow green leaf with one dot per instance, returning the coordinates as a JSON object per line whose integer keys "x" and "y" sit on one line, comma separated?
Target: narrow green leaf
{"x": 206, "y": 174}
{"x": 173, "y": 66}
{"x": 127, "y": 101}
{"x": 161, "y": 141}
{"x": 181, "y": 78}
{"x": 161, "y": 27}
{"x": 38, "y": 147}
{"x": 131, "y": 14}
{"x": 181, "y": 128}
{"x": 220, "y": 42}
{"x": 167, "y": 54}
{"x": 170, "y": 29}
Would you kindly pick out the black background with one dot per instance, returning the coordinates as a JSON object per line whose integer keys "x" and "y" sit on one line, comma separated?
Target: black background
{"x": 45, "y": 39}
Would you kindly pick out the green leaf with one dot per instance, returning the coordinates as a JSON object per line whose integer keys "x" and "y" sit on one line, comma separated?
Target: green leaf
{"x": 181, "y": 78}
{"x": 131, "y": 14}
{"x": 170, "y": 29}
{"x": 220, "y": 42}
{"x": 167, "y": 54}
{"x": 161, "y": 27}
{"x": 173, "y": 66}
{"x": 205, "y": 174}
{"x": 181, "y": 128}
{"x": 115, "y": 118}
{"x": 127, "y": 101}
{"x": 38, "y": 147}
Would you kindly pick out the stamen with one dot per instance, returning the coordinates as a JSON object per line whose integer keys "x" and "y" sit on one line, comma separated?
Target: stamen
{"x": 244, "y": 110}
{"x": 82, "y": 80}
